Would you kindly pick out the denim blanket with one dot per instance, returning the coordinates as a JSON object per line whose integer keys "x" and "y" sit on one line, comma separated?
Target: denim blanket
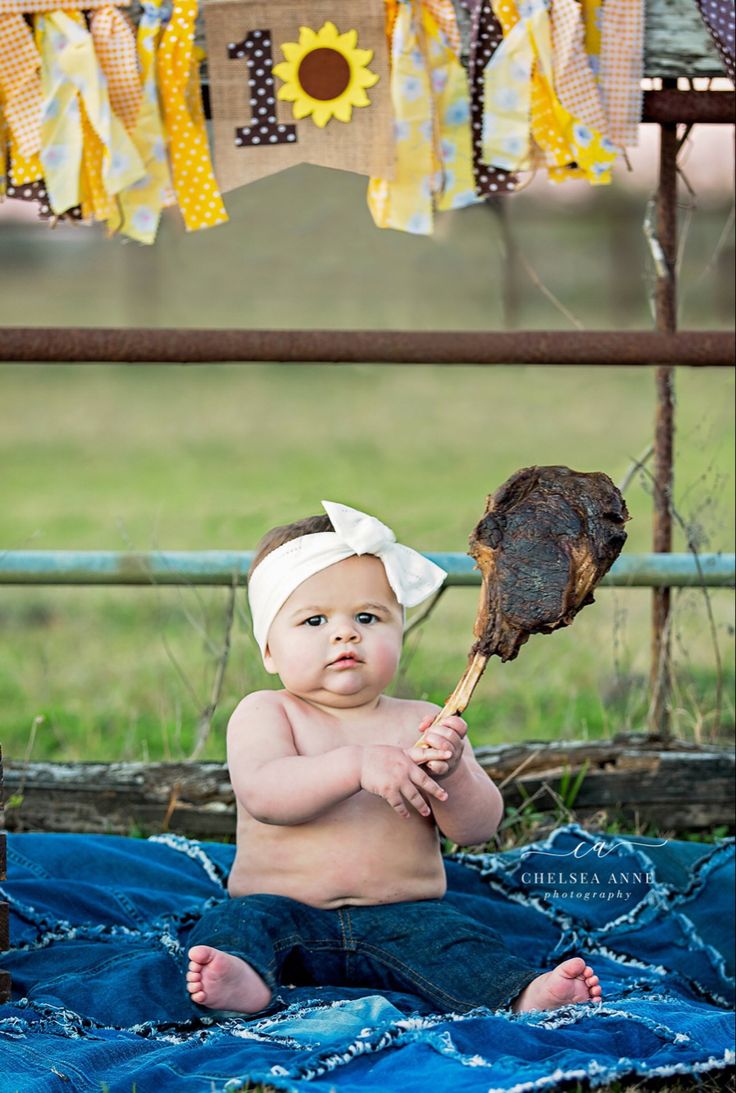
{"x": 99, "y": 928}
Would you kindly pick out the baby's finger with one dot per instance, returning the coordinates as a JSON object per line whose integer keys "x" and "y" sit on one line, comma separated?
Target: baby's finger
{"x": 438, "y": 767}
{"x": 423, "y": 726}
{"x": 455, "y": 723}
{"x": 443, "y": 741}
{"x": 412, "y": 795}
{"x": 425, "y": 783}
{"x": 397, "y": 803}
{"x": 419, "y": 754}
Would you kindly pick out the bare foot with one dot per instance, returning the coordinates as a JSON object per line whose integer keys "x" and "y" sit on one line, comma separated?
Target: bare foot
{"x": 222, "y": 981}
{"x": 570, "y": 981}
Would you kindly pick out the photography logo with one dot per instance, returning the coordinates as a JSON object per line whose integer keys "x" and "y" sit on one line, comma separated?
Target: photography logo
{"x": 583, "y": 874}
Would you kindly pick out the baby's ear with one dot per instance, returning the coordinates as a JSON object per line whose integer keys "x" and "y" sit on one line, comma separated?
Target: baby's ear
{"x": 268, "y": 663}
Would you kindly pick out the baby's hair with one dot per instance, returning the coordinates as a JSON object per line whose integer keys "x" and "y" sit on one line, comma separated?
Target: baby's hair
{"x": 276, "y": 537}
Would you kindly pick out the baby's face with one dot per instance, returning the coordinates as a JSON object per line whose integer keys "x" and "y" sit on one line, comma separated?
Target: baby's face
{"x": 337, "y": 639}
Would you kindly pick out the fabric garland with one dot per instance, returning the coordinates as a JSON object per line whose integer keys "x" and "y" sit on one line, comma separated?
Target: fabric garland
{"x": 103, "y": 121}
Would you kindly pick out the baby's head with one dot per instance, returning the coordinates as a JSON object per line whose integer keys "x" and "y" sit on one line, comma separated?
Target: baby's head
{"x": 328, "y": 597}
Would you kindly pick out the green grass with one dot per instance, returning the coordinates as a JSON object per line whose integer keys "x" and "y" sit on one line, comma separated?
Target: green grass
{"x": 145, "y": 457}
{"x": 119, "y": 458}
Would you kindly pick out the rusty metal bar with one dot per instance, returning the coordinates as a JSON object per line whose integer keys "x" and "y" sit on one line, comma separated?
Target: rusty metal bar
{"x": 660, "y": 678}
{"x": 202, "y": 346}
{"x": 689, "y": 107}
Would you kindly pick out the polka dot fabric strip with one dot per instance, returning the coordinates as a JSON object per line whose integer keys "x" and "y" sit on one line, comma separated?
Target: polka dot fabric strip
{"x": 718, "y": 16}
{"x": 197, "y": 193}
{"x": 486, "y": 37}
{"x": 36, "y": 191}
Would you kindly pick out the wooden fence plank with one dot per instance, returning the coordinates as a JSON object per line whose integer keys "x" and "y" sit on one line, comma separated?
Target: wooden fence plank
{"x": 679, "y": 786}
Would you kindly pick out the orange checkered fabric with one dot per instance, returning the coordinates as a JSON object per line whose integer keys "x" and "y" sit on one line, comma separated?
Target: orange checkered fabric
{"x": 622, "y": 68}
{"x": 115, "y": 47}
{"x": 574, "y": 81}
{"x": 20, "y": 84}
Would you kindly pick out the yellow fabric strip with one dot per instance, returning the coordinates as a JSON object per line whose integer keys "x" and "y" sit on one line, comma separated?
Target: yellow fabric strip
{"x": 507, "y": 81}
{"x": 24, "y": 169}
{"x": 591, "y": 11}
{"x": 194, "y": 182}
{"x": 20, "y": 84}
{"x": 451, "y": 107}
{"x": 405, "y": 202}
{"x": 95, "y": 201}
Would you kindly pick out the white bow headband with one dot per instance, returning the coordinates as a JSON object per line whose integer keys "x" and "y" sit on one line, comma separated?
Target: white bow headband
{"x": 411, "y": 576}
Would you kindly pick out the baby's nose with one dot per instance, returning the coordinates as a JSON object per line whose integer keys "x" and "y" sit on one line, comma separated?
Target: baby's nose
{"x": 345, "y": 630}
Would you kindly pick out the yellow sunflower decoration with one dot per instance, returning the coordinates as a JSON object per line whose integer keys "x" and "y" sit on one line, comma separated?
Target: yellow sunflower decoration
{"x": 325, "y": 75}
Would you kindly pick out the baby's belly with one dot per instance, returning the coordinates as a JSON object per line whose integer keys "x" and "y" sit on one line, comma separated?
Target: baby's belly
{"x": 352, "y": 855}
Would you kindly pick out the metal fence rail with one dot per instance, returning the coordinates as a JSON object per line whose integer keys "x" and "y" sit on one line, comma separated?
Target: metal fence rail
{"x": 223, "y": 567}
{"x": 86, "y": 345}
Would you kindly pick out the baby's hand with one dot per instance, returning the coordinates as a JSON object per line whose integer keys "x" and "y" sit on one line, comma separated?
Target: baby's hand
{"x": 445, "y": 737}
{"x": 391, "y": 773}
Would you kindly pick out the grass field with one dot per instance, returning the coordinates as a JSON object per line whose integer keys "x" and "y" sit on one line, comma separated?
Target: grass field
{"x": 144, "y": 457}
{"x": 153, "y": 457}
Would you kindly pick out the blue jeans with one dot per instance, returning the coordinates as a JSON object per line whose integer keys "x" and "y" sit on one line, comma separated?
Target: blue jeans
{"x": 423, "y": 947}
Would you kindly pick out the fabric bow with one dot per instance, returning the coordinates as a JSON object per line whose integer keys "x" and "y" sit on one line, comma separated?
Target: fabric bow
{"x": 411, "y": 576}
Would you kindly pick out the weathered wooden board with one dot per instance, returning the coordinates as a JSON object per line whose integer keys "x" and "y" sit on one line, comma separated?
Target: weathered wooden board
{"x": 4, "y": 933}
{"x": 676, "y": 41}
{"x": 679, "y": 788}
{"x": 633, "y": 778}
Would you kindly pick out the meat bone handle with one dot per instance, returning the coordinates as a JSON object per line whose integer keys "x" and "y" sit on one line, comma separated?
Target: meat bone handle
{"x": 460, "y": 697}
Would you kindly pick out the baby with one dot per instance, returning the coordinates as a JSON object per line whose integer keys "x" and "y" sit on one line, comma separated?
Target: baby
{"x": 338, "y": 877}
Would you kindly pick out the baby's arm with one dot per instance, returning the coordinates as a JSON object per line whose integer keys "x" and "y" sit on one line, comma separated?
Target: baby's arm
{"x": 278, "y": 786}
{"x": 474, "y": 806}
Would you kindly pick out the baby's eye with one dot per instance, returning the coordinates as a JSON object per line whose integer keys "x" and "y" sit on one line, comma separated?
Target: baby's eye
{"x": 313, "y": 620}
{"x": 365, "y": 617}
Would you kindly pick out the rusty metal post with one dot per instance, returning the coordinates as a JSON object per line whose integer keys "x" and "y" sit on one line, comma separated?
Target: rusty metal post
{"x": 660, "y": 679}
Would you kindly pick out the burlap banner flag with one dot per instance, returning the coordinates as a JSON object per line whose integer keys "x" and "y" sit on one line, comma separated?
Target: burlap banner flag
{"x": 298, "y": 82}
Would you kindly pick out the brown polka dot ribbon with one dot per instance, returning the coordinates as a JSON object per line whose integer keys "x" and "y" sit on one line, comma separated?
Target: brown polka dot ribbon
{"x": 718, "y": 16}
{"x": 486, "y": 36}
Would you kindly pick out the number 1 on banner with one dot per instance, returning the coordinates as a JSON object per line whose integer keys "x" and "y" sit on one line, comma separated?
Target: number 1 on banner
{"x": 265, "y": 128}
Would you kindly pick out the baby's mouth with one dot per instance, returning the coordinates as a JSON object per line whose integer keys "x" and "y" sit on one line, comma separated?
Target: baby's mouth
{"x": 345, "y": 658}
